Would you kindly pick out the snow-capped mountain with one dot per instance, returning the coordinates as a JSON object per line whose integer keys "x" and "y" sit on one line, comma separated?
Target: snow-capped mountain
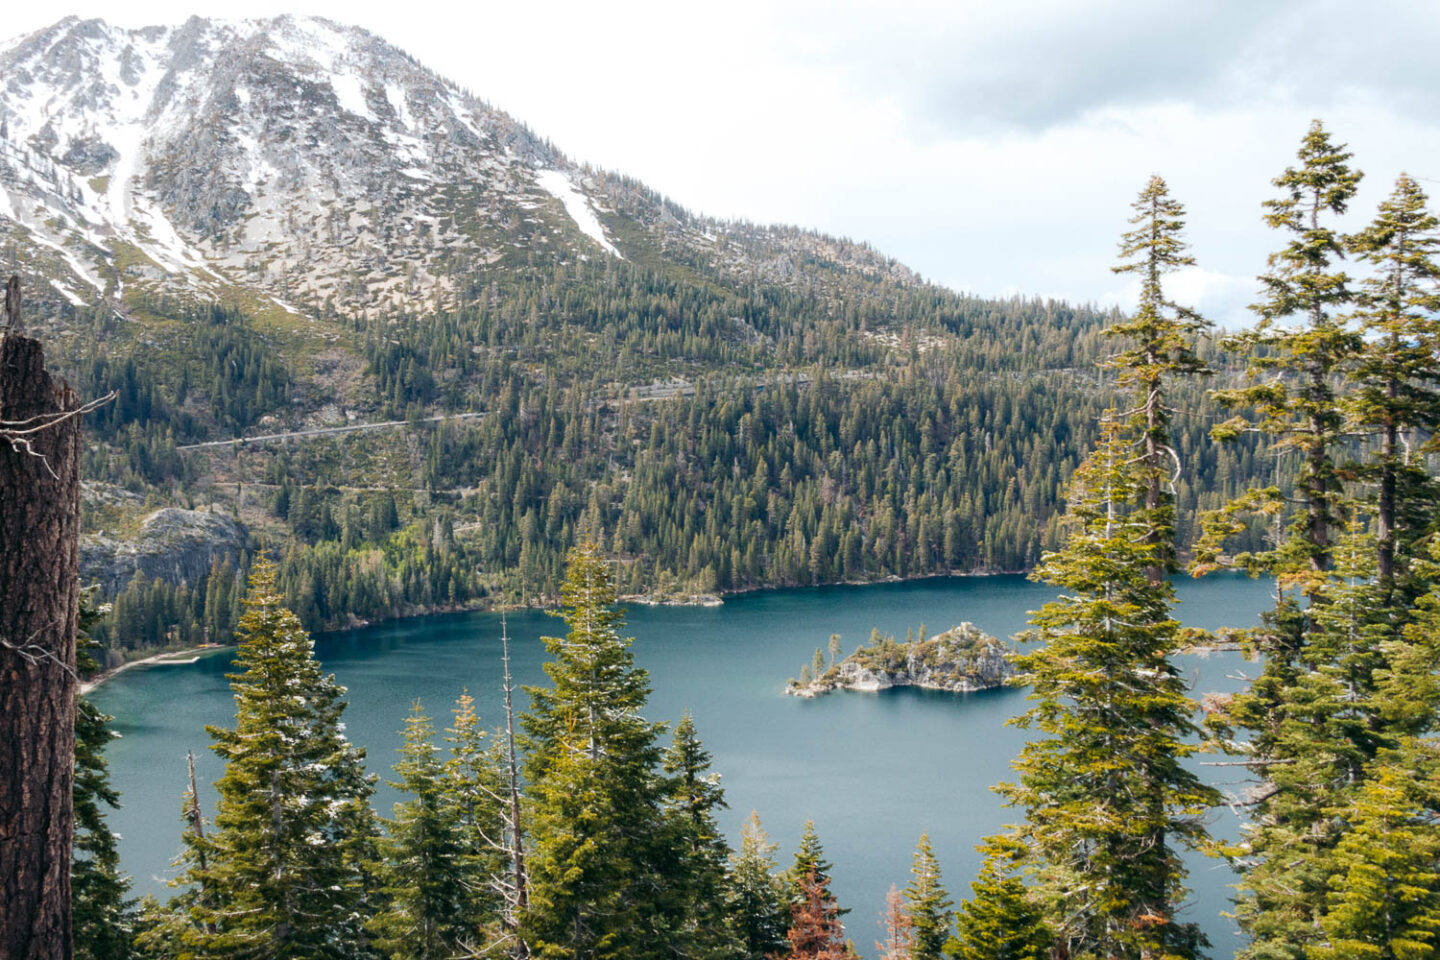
{"x": 316, "y": 167}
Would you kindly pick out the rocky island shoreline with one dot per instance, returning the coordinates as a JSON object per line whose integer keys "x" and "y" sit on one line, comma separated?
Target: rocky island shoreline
{"x": 963, "y": 659}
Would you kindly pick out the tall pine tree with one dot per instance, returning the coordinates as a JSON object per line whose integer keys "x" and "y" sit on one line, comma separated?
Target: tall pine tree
{"x": 428, "y": 912}
{"x": 1160, "y": 344}
{"x": 1305, "y": 344}
{"x": 927, "y": 905}
{"x": 1396, "y": 393}
{"x": 755, "y": 896}
{"x": 1108, "y": 801}
{"x": 595, "y": 789}
{"x": 1303, "y": 726}
{"x": 285, "y": 868}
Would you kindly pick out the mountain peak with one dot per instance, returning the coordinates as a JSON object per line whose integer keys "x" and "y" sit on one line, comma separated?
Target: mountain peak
{"x": 309, "y": 162}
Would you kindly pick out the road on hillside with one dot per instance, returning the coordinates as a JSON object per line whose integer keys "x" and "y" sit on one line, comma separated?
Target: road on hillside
{"x": 322, "y": 431}
{"x": 664, "y": 390}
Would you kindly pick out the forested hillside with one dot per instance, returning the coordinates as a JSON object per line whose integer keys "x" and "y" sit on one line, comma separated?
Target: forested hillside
{"x": 815, "y": 450}
{"x": 723, "y": 405}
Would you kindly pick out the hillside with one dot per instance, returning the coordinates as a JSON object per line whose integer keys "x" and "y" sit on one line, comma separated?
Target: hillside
{"x": 262, "y": 227}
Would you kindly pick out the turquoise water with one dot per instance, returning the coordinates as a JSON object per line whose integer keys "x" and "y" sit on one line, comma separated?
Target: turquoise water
{"x": 872, "y": 770}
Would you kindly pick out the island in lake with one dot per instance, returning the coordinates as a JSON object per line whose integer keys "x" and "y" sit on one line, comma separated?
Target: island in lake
{"x": 963, "y": 659}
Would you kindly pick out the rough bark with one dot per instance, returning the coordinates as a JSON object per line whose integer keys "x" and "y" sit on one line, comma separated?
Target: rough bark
{"x": 39, "y": 531}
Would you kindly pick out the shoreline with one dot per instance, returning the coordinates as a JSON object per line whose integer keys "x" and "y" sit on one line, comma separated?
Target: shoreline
{"x": 165, "y": 656}
{"x": 676, "y": 600}
{"x": 712, "y": 599}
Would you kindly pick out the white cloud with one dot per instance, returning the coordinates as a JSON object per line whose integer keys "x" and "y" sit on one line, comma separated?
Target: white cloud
{"x": 1221, "y": 298}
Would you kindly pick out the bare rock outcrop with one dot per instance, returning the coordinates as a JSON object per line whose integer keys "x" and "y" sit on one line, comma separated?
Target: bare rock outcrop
{"x": 173, "y": 545}
{"x": 963, "y": 659}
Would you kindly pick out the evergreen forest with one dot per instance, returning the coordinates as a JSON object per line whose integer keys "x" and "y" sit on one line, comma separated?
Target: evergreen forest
{"x": 717, "y": 438}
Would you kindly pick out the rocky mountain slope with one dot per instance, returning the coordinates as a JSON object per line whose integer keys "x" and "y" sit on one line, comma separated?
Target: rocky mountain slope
{"x": 302, "y": 166}
{"x": 174, "y": 545}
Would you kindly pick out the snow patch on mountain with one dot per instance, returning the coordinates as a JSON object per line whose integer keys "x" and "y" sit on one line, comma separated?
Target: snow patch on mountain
{"x": 558, "y": 185}
{"x": 400, "y": 104}
{"x": 350, "y": 93}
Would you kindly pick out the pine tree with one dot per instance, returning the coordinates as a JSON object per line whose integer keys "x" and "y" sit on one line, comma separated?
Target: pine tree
{"x": 927, "y": 905}
{"x": 595, "y": 793}
{"x": 1161, "y": 345}
{"x": 809, "y": 857}
{"x": 694, "y": 884}
{"x": 1108, "y": 800}
{"x": 755, "y": 897}
{"x": 1302, "y": 726}
{"x": 474, "y": 785}
{"x": 1369, "y": 687}
{"x": 1394, "y": 375}
{"x": 1384, "y": 897}
{"x": 1002, "y": 920}
{"x": 284, "y": 873}
{"x": 1303, "y": 286}
{"x": 514, "y": 886}
{"x": 422, "y": 872}
{"x": 100, "y": 914}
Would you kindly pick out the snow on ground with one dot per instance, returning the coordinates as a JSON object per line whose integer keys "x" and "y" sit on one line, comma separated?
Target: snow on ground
{"x": 303, "y": 40}
{"x": 351, "y": 94}
{"x": 128, "y": 142}
{"x": 555, "y": 183}
{"x": 67, "y": 293}
{"x": 80, "y": 269}
{"x": 462, "y": 114}
{"x": 167, "y": 241}
{"x": 124, "y": 121}
{"x": 395, "y": 93}
{"x": 255, "y": 169}
{"x": 285, "y": 306}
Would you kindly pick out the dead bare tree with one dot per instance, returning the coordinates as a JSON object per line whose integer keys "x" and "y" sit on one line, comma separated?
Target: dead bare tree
{"x": 517, "y": 896}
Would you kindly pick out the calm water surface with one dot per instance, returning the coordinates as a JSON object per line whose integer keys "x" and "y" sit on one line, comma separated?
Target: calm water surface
{"x": 873, "y": 771}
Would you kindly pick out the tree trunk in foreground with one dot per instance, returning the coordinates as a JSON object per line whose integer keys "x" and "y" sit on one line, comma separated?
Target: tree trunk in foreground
{"x": 39, "y": 530}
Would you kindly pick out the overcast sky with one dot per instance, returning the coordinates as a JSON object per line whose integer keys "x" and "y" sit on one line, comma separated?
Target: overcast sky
{"x": 994, "y": 147}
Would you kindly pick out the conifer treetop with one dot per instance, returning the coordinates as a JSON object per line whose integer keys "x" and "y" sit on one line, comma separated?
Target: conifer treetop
{"x": 1299, "y": 280}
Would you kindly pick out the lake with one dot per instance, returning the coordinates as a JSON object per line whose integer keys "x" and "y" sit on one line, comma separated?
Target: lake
{"x": 873, "y": 771}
